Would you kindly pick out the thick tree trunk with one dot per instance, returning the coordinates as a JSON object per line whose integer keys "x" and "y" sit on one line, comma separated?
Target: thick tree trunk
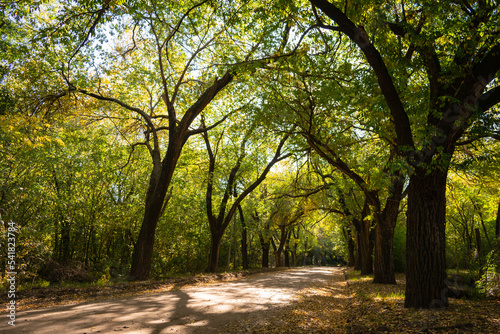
{"x": 155, "y": 197}
{"x": 384, "y": 236}
{"x": 383, "y": 255}
{"x": 143, "y": 249}
{"x": 425, "y": 241}
{"x": 265, "y": 246}
{"x": 213, "y": 261}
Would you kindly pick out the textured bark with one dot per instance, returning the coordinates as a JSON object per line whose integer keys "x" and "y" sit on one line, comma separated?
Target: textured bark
{"x": 425, "y": 243}
{"x": 383, "y": 255}
{"x": 365, "y": 246}
{"x": 159, "y": 181}
{"x": 213, "y": 262}
{"x": 384, "y": 235}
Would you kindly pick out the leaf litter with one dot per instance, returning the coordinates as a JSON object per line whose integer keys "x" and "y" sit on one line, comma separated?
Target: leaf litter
{"x": 348, "y": 303}
{"x": 353, "y": 304}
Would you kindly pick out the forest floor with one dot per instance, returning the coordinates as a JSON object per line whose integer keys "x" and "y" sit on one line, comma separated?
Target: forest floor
{"x": 299, "y": 300}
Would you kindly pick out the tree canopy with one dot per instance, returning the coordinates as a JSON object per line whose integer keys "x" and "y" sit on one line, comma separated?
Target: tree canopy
{"x": 153, "y": 137}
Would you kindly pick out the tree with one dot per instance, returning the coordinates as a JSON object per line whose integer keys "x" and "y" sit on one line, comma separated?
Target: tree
{"x": 169, "y": 62}
{"x": 460, "y": 56}
{"x": 218, "y": 223}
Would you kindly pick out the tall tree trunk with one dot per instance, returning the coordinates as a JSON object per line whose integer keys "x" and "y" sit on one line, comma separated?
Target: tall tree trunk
{"x": 163, "y": 170}
{"x": 425, "y": 241}
{"x": 213, "y": 261}
{"x": 350, "y": 248}
{"x": 244, "y": 244}
{"x": 264, "y": 245}
{"x": 384, "y": 235}
{"x": 357, "y": 262}
{"x": 155, "y": 197}
{"x": 383, "y": 255}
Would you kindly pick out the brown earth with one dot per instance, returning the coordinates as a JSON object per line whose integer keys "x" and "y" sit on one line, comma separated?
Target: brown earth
{"x": 222, "y": 307}
{"x": 301, "y": 300}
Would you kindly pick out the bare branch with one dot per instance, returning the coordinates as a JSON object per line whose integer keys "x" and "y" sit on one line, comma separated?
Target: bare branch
{"x": 100, "y": 13}
{"x": 181, "y": 77}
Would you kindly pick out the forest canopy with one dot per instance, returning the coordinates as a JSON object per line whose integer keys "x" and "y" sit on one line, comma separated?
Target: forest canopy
{"x": 149, "y": 138}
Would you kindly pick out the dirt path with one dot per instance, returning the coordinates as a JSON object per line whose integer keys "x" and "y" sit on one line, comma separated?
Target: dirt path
{"x": 194, "y": 309}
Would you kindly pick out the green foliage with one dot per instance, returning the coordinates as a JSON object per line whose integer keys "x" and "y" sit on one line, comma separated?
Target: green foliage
{"x": 489, "y": 283}
{"x": 69, "y": 194}
{"x": 75, "y": 188}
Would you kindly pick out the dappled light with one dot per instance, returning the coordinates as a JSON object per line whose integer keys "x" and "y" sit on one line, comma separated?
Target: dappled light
{"x": 249, "y": 166}
{"x": 207, "y": 307}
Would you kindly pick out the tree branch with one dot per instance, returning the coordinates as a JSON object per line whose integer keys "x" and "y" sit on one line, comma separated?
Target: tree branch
{"x": 128, "y": 107}
{"x": 277, "y": 157}
{"x": 359, "y": 36}
{"x": 489, "y": 99}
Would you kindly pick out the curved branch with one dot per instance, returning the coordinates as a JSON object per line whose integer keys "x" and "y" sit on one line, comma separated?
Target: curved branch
{"x": 359, "y": 36}
{"x": 145, "y": 116}
{"x": 100, "y": 13}
{"x": 277, "y": 157}
{"x": 489, "y": 99}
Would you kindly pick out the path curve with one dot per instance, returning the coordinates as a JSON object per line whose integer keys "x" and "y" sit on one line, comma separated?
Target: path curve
{"x": 193, "y": 309}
